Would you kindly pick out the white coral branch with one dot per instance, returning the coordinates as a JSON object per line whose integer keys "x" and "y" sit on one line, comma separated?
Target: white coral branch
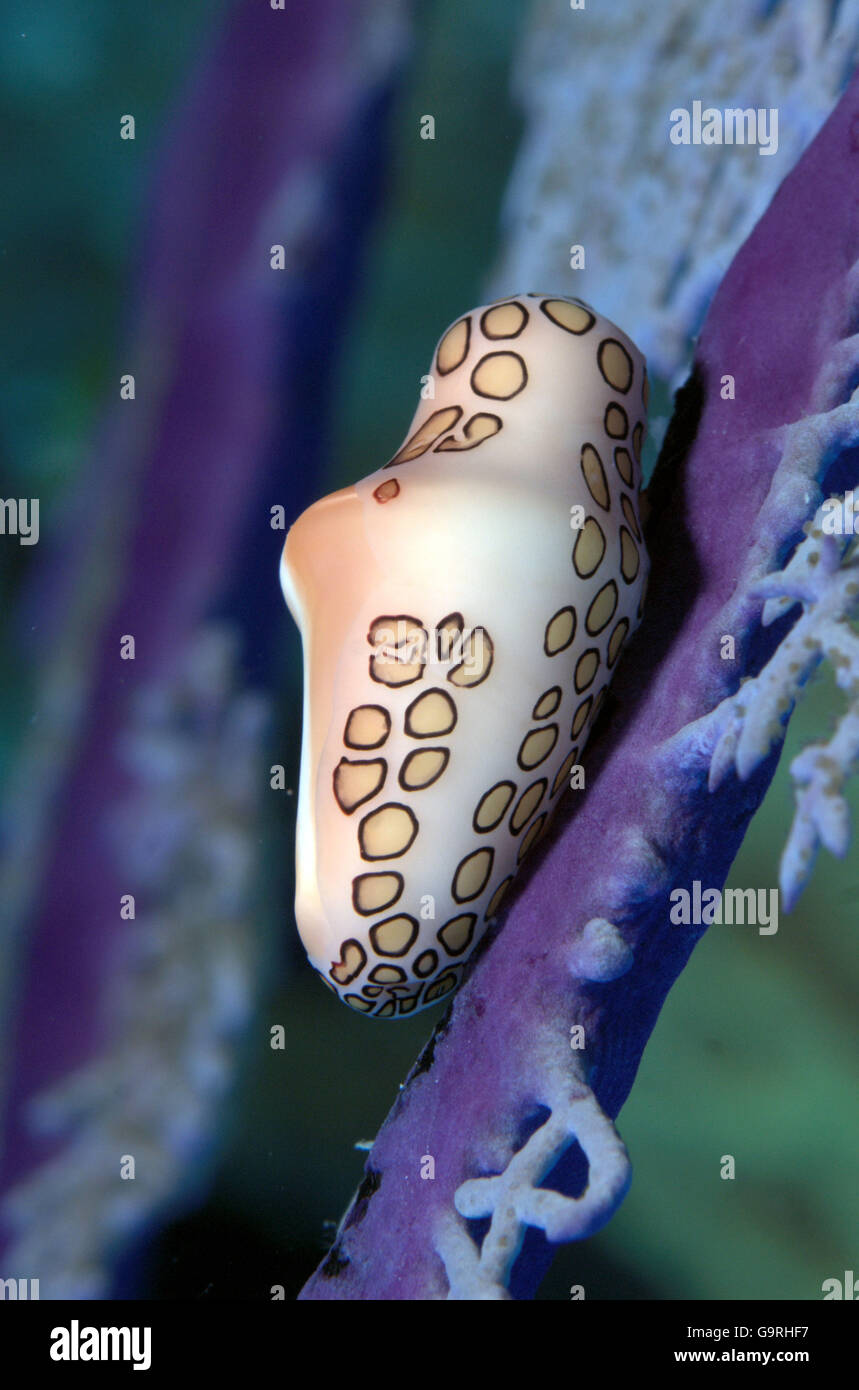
{"x": 180, "y": 992}
{"x": 514, "y": 1198}
{"x": 792, "y": 55}
{"x": 820, "y": 772}
{"x": 823, "y": 576}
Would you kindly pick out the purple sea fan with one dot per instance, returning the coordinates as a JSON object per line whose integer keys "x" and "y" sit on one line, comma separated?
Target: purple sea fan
{"x": 523, "y": 1079}
{"x": 141, "y": 783}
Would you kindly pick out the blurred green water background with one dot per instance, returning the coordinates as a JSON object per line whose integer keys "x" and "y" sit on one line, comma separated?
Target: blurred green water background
{"x": 755, "y": 1052}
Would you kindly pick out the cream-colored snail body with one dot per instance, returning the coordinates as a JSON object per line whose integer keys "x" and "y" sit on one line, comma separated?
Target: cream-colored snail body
{"x": 461, "y": 611}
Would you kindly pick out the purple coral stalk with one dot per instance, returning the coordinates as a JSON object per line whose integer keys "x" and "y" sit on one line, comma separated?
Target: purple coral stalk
{"x": 499, "y": 1098}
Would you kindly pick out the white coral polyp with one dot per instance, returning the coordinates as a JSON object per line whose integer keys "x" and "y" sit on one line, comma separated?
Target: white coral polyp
{"x": 515, "y": 1200}
{"x": 823, "y": 576}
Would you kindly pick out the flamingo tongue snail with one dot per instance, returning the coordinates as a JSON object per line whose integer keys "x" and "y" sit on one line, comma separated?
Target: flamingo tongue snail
{"x": 461, "y": 611}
